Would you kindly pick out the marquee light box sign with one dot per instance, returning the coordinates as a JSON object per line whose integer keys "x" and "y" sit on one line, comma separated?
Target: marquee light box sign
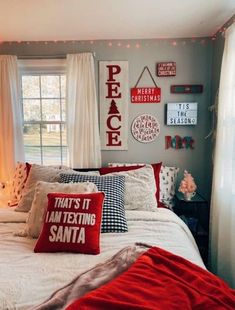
{"x": 182, "y": 113}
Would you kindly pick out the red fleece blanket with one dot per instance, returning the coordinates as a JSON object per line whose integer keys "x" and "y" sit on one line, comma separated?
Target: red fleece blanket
{"x": 160, "y": 280}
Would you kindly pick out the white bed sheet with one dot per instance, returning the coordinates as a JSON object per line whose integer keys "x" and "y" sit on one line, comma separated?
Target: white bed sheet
{"x": 9, "y": 215}
{"x": 27, "y": 278}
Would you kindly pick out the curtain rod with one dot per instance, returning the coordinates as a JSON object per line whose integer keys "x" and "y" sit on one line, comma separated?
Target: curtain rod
{"x": 47, "y": 56}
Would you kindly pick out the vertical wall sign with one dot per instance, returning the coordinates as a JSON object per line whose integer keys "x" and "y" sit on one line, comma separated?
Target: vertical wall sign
{"x": 166, "y": 69}
{"x": 113, "y": 86}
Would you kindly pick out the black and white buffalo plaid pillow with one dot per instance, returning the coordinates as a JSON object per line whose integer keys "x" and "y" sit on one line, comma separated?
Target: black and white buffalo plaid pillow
{"x": 113, "y": 219}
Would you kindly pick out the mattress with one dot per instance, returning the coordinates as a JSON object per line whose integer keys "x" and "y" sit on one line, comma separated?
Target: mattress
{"x": 27, "y": 278}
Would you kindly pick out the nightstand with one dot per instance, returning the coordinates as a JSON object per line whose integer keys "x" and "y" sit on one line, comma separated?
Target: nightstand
{"x": 195, "y": 213}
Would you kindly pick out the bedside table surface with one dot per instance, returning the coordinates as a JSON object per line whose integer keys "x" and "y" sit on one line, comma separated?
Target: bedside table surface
{"x": 196, "y": 198}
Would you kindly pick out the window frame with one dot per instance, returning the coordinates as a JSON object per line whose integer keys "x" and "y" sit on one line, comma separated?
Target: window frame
{"x": 42, "y": 67}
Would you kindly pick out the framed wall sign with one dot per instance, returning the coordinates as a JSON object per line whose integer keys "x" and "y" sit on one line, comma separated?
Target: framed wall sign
{"x": 113, "y": 85}
{"x": 181, "y": 113}
{"x": 186, "y": 89}
{"x": 145, "y": 94}
{"x": 166, "y": 69}
{"x": 145, "y": 128}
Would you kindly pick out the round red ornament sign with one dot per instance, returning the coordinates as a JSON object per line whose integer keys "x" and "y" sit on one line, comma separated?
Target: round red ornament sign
{"x": 145, "y": 128}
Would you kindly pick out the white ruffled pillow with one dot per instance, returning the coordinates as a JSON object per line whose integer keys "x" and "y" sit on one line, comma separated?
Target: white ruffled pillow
{"x": 39, "y": 205}
{"x": 140, "y": 189}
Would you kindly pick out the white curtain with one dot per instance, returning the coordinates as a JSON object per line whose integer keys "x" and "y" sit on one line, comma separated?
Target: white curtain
{"x": 82, "y": 112}
{"x": 222, "y": 245}
{"x": 11, "y": 135}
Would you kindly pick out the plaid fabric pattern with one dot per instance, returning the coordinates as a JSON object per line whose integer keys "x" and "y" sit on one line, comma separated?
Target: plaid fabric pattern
{"x": 113, "y": 219}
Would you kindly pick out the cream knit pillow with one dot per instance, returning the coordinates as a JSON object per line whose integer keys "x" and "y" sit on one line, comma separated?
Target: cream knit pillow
{"x": 35, "y": 218}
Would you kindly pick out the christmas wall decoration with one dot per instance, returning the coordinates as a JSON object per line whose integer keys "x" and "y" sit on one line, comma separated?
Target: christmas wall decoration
{"x": 145, "y": 128}
{"x": 178, "y": 142}
{"x": 166, "y": 69}
{"x": 113, "y": 85}
{"x": 181, "y": 113}
{"x": 145, "y": 94}
{"x": 186, "y": 89}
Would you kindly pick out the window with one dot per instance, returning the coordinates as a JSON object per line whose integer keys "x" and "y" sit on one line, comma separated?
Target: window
{"x": 44, "y": 112}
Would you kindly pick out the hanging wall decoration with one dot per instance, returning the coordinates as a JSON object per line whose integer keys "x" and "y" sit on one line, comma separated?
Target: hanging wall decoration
{"x": 186, "y": 89}
{"x": 181, "y": 113}
{"x": 145, "y": 128}
{"x": 113, "y": 86}
{"x": 145, "y": 94}
{"x": 166, "y": 69}
{"x": 178, "y": 142}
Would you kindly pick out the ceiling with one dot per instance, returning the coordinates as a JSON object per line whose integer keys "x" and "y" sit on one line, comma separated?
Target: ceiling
{"x": 55, "y": 20}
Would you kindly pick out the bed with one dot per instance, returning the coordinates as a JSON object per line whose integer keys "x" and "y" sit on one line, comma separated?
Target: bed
{"x": 30, "y": 280}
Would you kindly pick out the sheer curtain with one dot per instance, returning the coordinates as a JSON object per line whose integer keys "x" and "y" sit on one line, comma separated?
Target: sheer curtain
{"x": 11, "y": 135}
{"x": 82, "y": 112}
{"x": 222, "y": 245}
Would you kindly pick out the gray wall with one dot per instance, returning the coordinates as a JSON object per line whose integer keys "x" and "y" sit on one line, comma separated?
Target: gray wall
{"x": 193, "y": 66}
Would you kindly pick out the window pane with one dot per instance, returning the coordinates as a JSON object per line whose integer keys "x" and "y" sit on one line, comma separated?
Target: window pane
{"x": 31, "y": 135}
{"x": 51, "y": 155}
{"x": 30, "y": 86}
{"x": 51, "y": 134}
{"x": 63, "y": 86}
{"x": 50, "y": 86}
{"x": 63, "y": 107}
{"x": 51, "y": 110}
{"x": 33, "y": 154}
{"x": 64, "y": 135}
{"x": 64, "y": 156}
{"x": 31, "y": 110}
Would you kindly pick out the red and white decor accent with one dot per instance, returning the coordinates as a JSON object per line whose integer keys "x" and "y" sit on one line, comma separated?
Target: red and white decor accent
{"x": 166, "y": 69}
{"x": 145, "y": 128}
{"x": 145, "y": 94}
{"x": 113, "y": 84}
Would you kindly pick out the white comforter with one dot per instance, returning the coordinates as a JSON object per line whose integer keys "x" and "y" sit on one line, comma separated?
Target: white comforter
{"x": 27, "y": 279}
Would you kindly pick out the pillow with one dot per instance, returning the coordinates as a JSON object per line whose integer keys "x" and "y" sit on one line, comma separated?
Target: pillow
{"x": 18, "y": 182}
{"x": 113, "y": 219}
{"x": 140, "y": 187}
{"x": 35, "y": 218}
{"x": 168, "y": 178}
{"x": 72, "y": 224}
{"x": 39, "y": 173}
{"x": 125, "y": 167}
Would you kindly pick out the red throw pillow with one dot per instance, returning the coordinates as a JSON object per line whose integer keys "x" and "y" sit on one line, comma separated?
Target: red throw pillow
{"x": 156, "y": 169}
{"x": 72, "y": 223}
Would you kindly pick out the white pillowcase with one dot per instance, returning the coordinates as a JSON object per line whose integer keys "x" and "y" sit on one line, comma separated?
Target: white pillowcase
{"x": 140, "y": 189}
{"x": 168, "y": 178}
{"x": 37, "y": 173}
{"x": 39, "y": 205}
